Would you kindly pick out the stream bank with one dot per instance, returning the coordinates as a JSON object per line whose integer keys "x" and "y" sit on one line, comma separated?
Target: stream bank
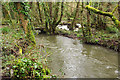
{"x": 102, "y": 38}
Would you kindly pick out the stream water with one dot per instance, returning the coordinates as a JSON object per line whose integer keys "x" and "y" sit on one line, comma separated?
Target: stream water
{"x": 72, "y": 59}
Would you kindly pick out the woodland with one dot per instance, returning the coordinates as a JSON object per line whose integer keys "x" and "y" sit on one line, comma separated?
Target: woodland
{"x": 92, "y": 23}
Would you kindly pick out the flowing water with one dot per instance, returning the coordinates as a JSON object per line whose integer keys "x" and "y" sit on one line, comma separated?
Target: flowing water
{"x": 72, "y": 59}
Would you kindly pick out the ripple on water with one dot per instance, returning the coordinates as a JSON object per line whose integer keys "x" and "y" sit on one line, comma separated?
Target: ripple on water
{"x": 79, "y": 60}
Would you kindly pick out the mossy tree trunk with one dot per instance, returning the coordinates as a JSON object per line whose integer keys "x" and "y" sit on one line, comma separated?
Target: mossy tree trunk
{"x": 25, "y": 22}
{"x": 45, "y": 8}
{"x": 109, "y": 14}
{"x": 39, "y": 11}
{"x": 98, "y": 18}
{"x": 55, "y": 17}
{"x": 87, "y": 29}
{"x": 119, "y": 10}
{"x": 88, "y": 23}
{"x": 52, "y": 20}
{"x": 58, "y": 20}
{"x": 119, "y": 23}
{"x": 50, "y": 9}
{"x": 119, "y": 19}
{"x": 75, "y": 16}
{"x": 82, "y": 19}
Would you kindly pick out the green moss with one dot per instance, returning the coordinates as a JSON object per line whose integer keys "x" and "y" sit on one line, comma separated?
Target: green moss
{"x": 31, "y": 38}
{"x": 114, "y": 19}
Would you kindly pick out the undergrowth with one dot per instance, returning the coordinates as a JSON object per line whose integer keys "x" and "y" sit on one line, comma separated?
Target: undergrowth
{"x": 19, "y": 58}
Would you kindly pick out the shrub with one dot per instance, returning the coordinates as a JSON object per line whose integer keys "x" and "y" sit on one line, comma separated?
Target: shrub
{"x": 112, "y": 29}
{"x": 26, "y": 68}
{"x": 5, "y": 30}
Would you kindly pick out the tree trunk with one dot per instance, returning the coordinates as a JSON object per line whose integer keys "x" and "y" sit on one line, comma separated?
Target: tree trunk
{"x": 119, "y": 10}
{"x": 88, "y": 23}
{"x": 56, "y": 13}
{"x": 46, "y": 17}
{"x": 38, "y": 5}
{"x": 75, "y": 16}
{"x": 50, "y": 9}
{"x": 82, "y": 19}
{"x": 21, "y": 17}
{"x": 59, "y": 20}
{"x": 52, "y": 20}
{"x": 50, "y": 15}
{"x": 119, "y": 24}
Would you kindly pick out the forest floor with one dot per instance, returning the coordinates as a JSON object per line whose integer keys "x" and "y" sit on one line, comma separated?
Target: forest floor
{"x": 99, "y": 37}
{"x": 16, "y": 51}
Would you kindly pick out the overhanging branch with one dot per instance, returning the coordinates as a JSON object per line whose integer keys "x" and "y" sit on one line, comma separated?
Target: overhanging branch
{"x": 109, "y": 14}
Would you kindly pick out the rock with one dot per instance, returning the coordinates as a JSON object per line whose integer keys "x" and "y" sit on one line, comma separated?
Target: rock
{"x": 63, "y": 27}
{"x": 76, "y": 29}
{"x": 78, "y": 26}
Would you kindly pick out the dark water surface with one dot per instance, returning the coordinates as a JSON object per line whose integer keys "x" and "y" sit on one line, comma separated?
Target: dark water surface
{"x": 71, "y": 59}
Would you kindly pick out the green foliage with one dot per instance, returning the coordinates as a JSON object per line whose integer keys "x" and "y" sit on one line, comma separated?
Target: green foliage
{"x": 78, "y": 35}
{"x": 5, "y": 30}
{"x": 112, "y": 29}
{"x": 96, "y": 40}
{"x": 5, "y": 21}
{"x": 26, "y": 68}
{"x": 26, "y": 8}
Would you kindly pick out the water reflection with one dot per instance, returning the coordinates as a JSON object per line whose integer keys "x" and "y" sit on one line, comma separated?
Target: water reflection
{"x": 71, "y": 59}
